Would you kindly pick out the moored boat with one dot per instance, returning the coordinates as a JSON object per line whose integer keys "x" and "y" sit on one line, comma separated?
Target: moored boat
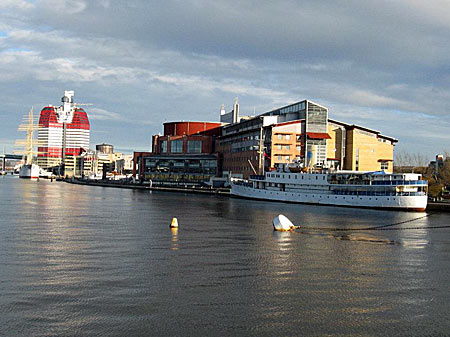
{"x": 406, "y": 191}
{"x": 29, "y": 171}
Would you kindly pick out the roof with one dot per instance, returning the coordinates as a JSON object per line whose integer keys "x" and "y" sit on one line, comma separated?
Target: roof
{"x": 290, "y": 122}
{"x": 355, "y": 126}
{"x": 318, "y": 135}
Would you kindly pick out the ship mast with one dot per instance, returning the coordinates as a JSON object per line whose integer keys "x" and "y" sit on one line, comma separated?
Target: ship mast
{"x": 261, "y": 151}
{"x": 29, "y": 145}
{"x": 28, "y": 125}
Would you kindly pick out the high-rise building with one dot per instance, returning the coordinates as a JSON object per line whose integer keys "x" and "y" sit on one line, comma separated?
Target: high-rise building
{"x": 63, "y": 132}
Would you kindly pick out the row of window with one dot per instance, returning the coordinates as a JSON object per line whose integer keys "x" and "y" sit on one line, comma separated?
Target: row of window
{"x": 293, "y": 108}
{"x": 281, "y": 136}
{"x": 287, "y": 147}
{"x": 176, "y": 146}
{"x": 288, "y": 176}
{"x": 242, "y": 159}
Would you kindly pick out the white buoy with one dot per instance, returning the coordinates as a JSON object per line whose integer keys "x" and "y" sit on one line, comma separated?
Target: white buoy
{"x": 174, "y": 223}
{"x": 282, "y": 224}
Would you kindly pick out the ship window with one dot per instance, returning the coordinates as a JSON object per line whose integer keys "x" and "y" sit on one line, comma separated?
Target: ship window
{"x": 280, "y": 136}
{"x": 288, "y": 137}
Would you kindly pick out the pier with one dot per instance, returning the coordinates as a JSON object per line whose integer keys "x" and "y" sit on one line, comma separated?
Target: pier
{"x": 137, "y": 186}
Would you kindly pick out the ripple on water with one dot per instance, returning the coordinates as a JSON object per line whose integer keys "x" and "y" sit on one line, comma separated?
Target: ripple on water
{"x": 88, "y": 261}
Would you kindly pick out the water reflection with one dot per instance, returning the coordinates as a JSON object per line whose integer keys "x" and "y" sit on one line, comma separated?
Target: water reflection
{"x": 80, "y": 260}
{"x": 174, "y": 232}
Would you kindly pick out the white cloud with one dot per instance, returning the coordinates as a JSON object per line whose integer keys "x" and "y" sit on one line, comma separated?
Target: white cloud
{"x": 370, "y": 63}
{"x": 15, "y": 4}
{"x": 64, "y": 7}
{"x": 101, "y": 114}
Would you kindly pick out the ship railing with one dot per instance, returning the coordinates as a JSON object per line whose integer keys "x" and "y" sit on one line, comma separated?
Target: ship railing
{"x": 378, "y": 193}
{"x": 257, "y": 177}
{"x": 399, "y": 182}
{"x": 242, "y": 182}
{"x": 379, "y": 182}
{"x": 349, "y": 182}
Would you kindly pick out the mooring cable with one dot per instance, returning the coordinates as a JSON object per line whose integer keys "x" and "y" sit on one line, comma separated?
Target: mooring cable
{"x": 381, "y": 227}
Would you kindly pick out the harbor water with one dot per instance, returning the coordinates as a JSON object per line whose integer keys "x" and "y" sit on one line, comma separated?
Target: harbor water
{"x": 94, "y": 261}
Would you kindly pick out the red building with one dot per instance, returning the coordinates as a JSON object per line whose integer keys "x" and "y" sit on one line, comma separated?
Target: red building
{"x": 63, "y": 131}
{"x": 186, "y": 137}
{"x": 185, "y": 154}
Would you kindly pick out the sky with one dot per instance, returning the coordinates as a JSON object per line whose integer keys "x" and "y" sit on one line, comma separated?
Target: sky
{"x": 381, "y": 64}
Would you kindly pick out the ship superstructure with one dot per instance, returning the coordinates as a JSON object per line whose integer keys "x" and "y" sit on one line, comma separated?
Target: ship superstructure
{"x": 64, "y": 132}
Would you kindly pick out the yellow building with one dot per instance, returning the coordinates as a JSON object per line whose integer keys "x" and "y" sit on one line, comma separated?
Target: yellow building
{"x": 356, "y": 148}
{"x": 348, "y": 147}
{"x": 301, "y": 132}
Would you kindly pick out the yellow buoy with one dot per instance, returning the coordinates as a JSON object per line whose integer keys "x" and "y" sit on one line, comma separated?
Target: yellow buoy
{"x": 174, "y": 223}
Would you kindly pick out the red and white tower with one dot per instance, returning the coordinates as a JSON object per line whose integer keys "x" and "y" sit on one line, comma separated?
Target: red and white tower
{"x": 63, "y": 132}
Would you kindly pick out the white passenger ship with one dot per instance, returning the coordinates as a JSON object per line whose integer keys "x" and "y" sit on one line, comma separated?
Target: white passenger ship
{"x": 339, "y": 188}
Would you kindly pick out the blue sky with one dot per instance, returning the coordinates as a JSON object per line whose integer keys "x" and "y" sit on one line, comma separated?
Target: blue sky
{"x": 381, "y": 64}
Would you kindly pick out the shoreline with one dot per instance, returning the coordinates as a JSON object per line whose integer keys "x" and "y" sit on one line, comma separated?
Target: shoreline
{"x": 118, "y": 184}
{"x": 431, "y": 206}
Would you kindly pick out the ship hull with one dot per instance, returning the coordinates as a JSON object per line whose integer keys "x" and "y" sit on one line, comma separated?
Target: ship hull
{"x": 407, "y": 203}
{"x": 30, "y": 171}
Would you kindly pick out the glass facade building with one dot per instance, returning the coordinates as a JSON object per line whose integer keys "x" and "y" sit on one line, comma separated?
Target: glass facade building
{"x": 190, "y": 170}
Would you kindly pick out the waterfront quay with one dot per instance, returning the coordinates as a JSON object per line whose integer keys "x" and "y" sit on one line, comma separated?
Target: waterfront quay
{"x": 148, "y": 186}
{"x": 432, "y": 206}
{"x": 79, "y": 260}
